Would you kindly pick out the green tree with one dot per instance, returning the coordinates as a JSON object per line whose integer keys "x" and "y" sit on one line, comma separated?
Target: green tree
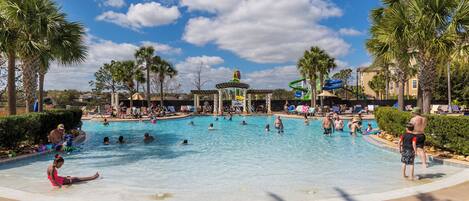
{"x": 344, "y": 75}
{"x": 104, "y": 79}
{"x": 389, "y": 42}
{"x": 8, "y": 44}
{"x": 65, "y": 46}
{"x": 39, "y": 27}
{"x": 326, "y": 64}
{"x": 378, "y": 84}
{"x": 309, "y": 65}
{"x": 125, "y": 73}
{"x": 162, "y": 69}
{"x": 436, "y": 27}
{"x": 145, "y": 55}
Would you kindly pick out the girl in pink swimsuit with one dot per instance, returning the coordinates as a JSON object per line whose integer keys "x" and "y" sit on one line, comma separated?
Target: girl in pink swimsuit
{"x": 57, "y": 180}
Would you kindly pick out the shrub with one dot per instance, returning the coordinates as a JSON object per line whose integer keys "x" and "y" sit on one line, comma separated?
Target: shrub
{"x": 445, "y": 132}
{"x": 34, "y": 127}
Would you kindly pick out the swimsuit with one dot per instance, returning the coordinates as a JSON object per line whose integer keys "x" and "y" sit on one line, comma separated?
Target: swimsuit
{"x": 420, "y": 140}
{"x": 408, "y": 154}
{"x": 58, "y": 179}
{"x": 327, "y": 131}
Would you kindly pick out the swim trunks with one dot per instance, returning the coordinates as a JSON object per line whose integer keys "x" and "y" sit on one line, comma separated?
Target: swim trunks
{"x": 327, "y": 131}
{"x": 408, "y": 156}
{"x": 420, "y": 140}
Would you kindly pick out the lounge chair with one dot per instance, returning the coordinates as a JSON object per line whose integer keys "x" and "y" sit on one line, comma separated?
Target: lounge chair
{"x": 408, "y": 107}
{"x": 311, "y": 111}
{"x": 299, "y": 109}
{"x": 456, "y": 109}
{"x": 434, "y": 109}
{"x": 371, "y": 108}
{"x": 171, "y": 109}
{"x": 358, "y": 108}
{"x": 291, "y": 109}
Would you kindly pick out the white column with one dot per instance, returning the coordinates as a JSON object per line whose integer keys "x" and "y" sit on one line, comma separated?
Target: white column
{"x": 269, "y": 109}
{"x": 198, "y": 101}
{"x": 220, "y": 101}
{"x": 245, "y": 109}
{"x": 215, "y": 103}
{"x": 249, "y": 103}
{"x": 195, "y": 102}
{"x": 116, "y": 100}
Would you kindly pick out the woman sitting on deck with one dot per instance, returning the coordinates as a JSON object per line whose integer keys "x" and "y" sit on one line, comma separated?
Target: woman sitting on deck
{"x": 58, "y": 181}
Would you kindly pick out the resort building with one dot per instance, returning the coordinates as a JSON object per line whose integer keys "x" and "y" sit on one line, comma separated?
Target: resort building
{"x": 366, "y": 74}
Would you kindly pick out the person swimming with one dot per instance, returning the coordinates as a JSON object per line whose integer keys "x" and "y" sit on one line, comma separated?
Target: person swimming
{"x": 106, "y": 141}
{"x": 58, "y": 181}
{"x": 244, "y": 123}
{"x": 185, "y": 142}
{"x": 210, "y": 127}
{"x": 147, "y": 138}
{"x": 306, "y": 120}
{"x": 106, "y": 123}
{"x": 216, "y": 119}
{"x": 121, "y": 140}
{"x": 191, "y": 123}
{"x": 267, "y": 128}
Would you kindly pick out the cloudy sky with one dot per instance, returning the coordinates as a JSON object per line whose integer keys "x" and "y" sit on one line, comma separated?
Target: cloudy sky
{"x": 261, "y": 38}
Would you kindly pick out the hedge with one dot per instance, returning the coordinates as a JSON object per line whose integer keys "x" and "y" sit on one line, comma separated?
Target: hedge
{"x": 34, "y": 127}
{"x": 446, "y": 132}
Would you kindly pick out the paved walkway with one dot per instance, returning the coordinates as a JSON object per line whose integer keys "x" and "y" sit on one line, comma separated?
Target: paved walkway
{"x": 454, "y": 193}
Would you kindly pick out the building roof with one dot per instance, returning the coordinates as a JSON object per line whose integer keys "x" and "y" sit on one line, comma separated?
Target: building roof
{"x": 204, "y": 92}
{"x": 232, "y": 85}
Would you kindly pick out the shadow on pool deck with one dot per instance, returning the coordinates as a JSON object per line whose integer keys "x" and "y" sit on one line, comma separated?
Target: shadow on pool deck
{"x": 275, "y": 197}
{"x": 343, "y": 194}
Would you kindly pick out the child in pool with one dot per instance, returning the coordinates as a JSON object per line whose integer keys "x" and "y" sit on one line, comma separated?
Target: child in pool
{"x": 121, "y": 140}
{"x": 58, "y": 181}
{"x": 106, "y": 141}
{"x": 210, "y": 127}
{"x": 267, "y": 128}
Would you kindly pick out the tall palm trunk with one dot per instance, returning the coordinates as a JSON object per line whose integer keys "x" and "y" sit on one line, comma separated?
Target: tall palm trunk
{"x": 400, "y": 96}
{"x": 148, "y": 84}
{"x": 312, "y": 82}
{"x": 11, "y": 83}
{"x": 161, "y": 91}
{"x": 419, "y": 95}
{"x": 321, "y": 80}
{"x": 29, "y": 82}
{"x": 131, "y": 105}
{"x": 40, "y": 98}
{"x": 387, "y": 88}
{"x": 426, "y": 76}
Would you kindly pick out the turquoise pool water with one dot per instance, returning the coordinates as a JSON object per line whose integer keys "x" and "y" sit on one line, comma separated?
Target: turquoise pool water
{"x": 233, "y": 162}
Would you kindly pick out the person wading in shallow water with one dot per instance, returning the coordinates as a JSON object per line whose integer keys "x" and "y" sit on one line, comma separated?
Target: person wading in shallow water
{"x": 419, "y": 123}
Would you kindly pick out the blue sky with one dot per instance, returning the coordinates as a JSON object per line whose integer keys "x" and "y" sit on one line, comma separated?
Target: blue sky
{"x": 262, "y": 38}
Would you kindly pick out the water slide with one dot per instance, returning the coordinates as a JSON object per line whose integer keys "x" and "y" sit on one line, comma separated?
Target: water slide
{"x": 302, "y": 92}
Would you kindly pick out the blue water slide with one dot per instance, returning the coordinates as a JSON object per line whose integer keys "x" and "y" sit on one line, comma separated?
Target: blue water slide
{"x": 332, "y": 84}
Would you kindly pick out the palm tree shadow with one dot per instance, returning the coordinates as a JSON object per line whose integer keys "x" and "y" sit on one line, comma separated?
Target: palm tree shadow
{"x": 275, "y": 197}
{"x": 343, "y": 194}
{"x": 431, "y": 175}
{"x": 428, "y": 197}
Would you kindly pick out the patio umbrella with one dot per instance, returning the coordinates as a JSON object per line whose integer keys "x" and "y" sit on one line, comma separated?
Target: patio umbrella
{"x": 326, "y": 94}
{"x": 137, "y": 96}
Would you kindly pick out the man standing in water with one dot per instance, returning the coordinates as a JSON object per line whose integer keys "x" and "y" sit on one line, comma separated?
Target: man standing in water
{"x": 327, "y": 125}
{"x": 279, "y": 124}
{"x": 419, "y": 123}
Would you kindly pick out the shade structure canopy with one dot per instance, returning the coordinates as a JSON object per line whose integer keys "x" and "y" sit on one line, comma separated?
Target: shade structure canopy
{"x": 232, "y": 85}
{"x": 137, "y": 96}
{"x": 326, "y": 94}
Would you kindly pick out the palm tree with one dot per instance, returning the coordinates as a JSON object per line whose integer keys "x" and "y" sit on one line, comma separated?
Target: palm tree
{"x": 308, "y": 65}
{"x": 8, "y": 43}
{"x": 34, "y": 23}
{"x": 389, "y": 42}
{"x": 436, "y": 28}
{"x": 125, "y": 73}
{"x": 326, "y": 64}
{"x": 65, "y": 47}
{"x": 162, "y": 69}
{"x": 145, "y": 54}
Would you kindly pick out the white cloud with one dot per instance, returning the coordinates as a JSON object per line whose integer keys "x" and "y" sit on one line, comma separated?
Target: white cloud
{"x": 265, "y": 31}
{"x": 350, "y": 32}
{"x": 114, "y": 3}
{"x": 151, "y": 14}
{"x": 214, "y": 72}
{"x": 162, "y": 48}
{"x": 274, "y": 78}
{"x": 100, "y": 51}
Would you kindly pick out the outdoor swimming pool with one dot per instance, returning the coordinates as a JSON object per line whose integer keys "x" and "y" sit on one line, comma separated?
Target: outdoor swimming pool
{"x": 233, "y": 162}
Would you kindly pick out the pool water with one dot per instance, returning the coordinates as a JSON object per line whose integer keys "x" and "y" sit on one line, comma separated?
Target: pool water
{"x": 232, "y": 162}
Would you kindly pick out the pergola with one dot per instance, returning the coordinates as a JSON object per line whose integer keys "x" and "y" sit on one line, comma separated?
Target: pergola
{"x": 218, "y": 96}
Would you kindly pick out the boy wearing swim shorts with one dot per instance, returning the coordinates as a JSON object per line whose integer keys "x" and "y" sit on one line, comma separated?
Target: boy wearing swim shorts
{"x": 407, "y": 148}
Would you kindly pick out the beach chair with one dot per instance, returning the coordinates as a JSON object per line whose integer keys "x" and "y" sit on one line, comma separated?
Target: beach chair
{"x": 408, "y": 107}
{"x": 336, "y": 109}
{"x": 358, "y": 108}
{"x": 171, "y": 109}
{"x": 371, "y": 108}
{"x": 443, "y": 109}
{"x": 455, "y": 109}
{"x": 299, "y": 109}
{"x": 434, "y": 109}
{"x": 291, "y": 109}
